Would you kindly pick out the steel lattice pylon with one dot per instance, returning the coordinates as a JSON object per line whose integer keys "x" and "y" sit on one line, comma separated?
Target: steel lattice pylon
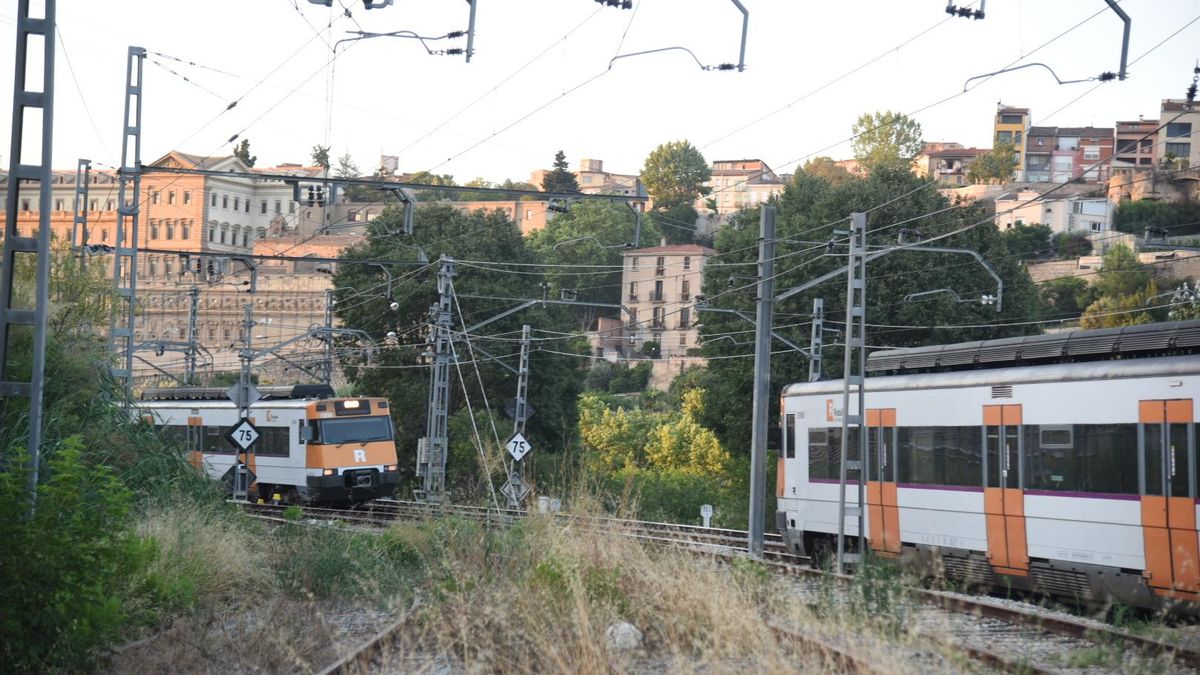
{"x": 431, "y": 455}
{"x": 16, "y": 311}
{"x": 854, "y": 367}
{"x": 124, "y": 316}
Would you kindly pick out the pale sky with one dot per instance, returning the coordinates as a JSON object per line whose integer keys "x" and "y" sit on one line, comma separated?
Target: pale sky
{"x": 482, "y": 119}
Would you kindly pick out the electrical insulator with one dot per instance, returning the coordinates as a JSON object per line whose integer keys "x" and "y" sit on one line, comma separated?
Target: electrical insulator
{"x": 312, "y": 199}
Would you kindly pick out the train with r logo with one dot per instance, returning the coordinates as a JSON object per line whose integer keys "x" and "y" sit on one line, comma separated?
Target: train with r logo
{"x": 1062, "y": 464}
{"x": 314, "y": 447}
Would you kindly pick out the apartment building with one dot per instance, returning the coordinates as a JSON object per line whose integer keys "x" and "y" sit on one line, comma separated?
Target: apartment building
{"x": 1136, "y": 147}
{"x": 1009, "y": 126}
{"x": 659, "y": 285}
{"x": 737, "y": 184}
{"x": 1060, "y": 154}
{"x": 1066, "y": 210}
{"x": 1177, "y": 146}
{"x": 948, "y": 166}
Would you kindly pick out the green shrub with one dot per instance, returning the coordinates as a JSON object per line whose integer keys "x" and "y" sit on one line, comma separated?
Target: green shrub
{"x": 328, "y": 562}
{"x": 62, "y": 569}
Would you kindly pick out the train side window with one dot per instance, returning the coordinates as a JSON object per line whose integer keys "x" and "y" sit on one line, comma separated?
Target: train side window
{"x": 214, "y": 444}
{"x": 789, "y": 436}
{"x": 940, "y": 455}
{"x": 274, "y": 442}
{"x": 1056, "y": 436}
{"x": 1098, "y": 458}
{"x": 818, "y": 453}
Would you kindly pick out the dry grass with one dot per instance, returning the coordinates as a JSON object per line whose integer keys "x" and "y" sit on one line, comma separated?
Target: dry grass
{"x": 203, "y": 556}
{"x": 540, "y": 597}
{"x": 537, "y": 596}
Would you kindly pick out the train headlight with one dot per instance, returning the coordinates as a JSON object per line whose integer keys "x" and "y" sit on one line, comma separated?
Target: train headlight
{"x": 392, "y": 467}
{"x": 329, "y": 472}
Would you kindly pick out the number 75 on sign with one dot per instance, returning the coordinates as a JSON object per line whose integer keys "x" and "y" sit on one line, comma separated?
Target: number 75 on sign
{"x": 518, "y": 447}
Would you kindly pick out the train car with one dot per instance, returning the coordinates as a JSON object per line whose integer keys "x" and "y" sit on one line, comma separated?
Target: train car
{"x": 1062, "y": 464}
{"x": 315, "y": 448}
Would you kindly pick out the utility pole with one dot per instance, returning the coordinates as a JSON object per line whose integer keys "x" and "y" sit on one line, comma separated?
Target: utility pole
{"x": 189, "y": 357}
{"x": 521, "y": 414}
{"x": 245, "y": 391}
{"x": 816, "y": 342}
{"x": 79, "y": 229}
{"x": 854, "y": 367}
{"x": 327, "y": 361}
{"x": 124, "y": 316}
{"x": 762, "y": 377}
{"x": 431, "y": 450}
{"x": 25, "y": 319}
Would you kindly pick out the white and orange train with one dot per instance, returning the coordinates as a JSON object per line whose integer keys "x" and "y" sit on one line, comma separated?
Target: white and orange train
{"x": 1063, "y": 464}
{"x": 314, "y": 447}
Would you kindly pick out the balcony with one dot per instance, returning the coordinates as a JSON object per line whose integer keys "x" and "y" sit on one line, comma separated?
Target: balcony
{"x": 657, "y": 324}
{"x": 684, "y": 324}
{"x": 657, "y": 297}
{"x": 633, "y": 297}
{"x": 685, "y": 296}
{"x": 660, "y": 271}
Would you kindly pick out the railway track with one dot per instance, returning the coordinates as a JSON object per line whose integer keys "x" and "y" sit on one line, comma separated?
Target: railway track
{"x": 996, "y": 635}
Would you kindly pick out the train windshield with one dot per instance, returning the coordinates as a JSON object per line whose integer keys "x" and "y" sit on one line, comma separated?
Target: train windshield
{"x": 353, "y": 430}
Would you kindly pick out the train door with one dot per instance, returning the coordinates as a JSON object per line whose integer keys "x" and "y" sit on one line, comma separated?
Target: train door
{"x": 1167, "y": 447}
{"x": 883, "y": 514}
{"x": 1003, "y": 496}
{"x": 195, "y": 441}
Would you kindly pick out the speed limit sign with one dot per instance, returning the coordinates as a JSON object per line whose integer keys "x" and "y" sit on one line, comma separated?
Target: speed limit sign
{"x": 243, "y": 435}
{"x": 517, "y": 446}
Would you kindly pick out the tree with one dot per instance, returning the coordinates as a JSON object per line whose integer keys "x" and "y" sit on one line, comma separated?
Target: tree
{"x": 320, "y": 156}
{"x": 441, "y": 180}
{"x": 677, "y": 223}
{"x": 584, "y": 245}
{"x": 999, "y": 165}
{"x": 242, "y": 152}
{"x": 1124, "y": 286}
{"x": 1028, "y": 241}
{"x": 346, "y": 167}
{"x": 1071, "y": 244}
{"x": 560, "y": 180}
{"x": 886, "y": 139}
{"x": 1121, "y": 273}
{"x": 827, "y": 170}
{"x": 810, "y": 209}
{"x": 675, "y": 173}
{"x": 1177, "y": 218}
{"x": 476, "y": 235}
{"x": 1066, "y": 298}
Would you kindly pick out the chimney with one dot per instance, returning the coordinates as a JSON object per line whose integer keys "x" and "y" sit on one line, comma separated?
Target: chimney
{"x": 663, "y": 241}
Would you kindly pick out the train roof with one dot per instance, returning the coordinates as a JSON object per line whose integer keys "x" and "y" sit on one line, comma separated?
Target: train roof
{"x": 1147, "y": 340}
{"x": 277, "y": 393}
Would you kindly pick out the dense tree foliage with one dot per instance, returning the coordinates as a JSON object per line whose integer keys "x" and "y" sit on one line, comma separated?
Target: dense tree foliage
{"x": 997, "y": 166}
{"x": 827, "y": 170}
{"x": 1177, "y": 218}
{"x": 675, "y": 173}
{"x": 320, "y": 156}
{"x": 242, "y": 152}
{"x": 398, "y": 374}
{"x": 560, "y": 179}
{"x": 810, "y": 209}
{"x": 584, "y": 250}
{"x": 886, "y": 139}
{"x": 1071, "y": 244}
{"x": 677, "y": 224}
{"x": 1029, "y": 241}
{"x": 1066, "y": 298}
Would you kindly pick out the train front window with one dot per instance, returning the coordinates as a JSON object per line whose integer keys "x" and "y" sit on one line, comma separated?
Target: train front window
{"x": 353, "y": 430}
